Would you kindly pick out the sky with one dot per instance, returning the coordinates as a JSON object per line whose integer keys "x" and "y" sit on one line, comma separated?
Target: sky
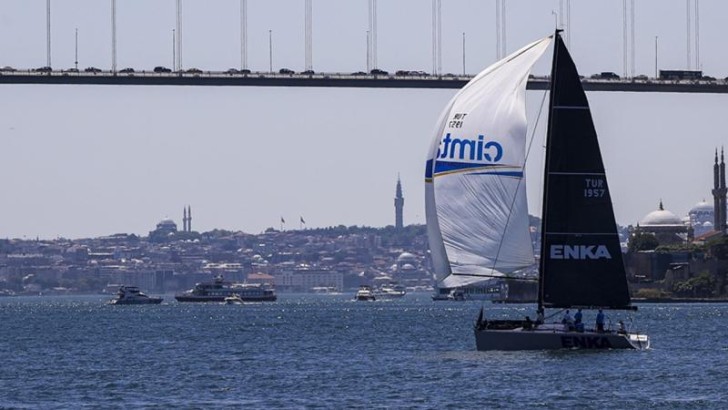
{"x": 83, "y": 161}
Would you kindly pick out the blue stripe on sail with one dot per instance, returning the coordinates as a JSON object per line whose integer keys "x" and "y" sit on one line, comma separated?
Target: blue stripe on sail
{"x": 517, "y": 174}
{"x": 447, "y": 166}
{"x": 428, "y": 169}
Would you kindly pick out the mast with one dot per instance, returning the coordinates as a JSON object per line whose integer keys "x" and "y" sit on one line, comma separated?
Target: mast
{"x": 542, "y": 259}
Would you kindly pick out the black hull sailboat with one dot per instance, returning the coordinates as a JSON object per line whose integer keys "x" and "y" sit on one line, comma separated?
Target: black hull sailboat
{"x": 581, "y": 261}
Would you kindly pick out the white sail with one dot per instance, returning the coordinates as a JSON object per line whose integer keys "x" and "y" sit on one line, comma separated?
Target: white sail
{"x": 475, "y": 192}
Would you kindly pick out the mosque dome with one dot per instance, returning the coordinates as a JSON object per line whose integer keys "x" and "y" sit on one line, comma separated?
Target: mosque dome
{"x": 167, "y": 222}
{"x": 701, "y": 207}
{"x": 406, "y": 257}
{"x": 707, "y": 224}
{"x": 661, "y": 217}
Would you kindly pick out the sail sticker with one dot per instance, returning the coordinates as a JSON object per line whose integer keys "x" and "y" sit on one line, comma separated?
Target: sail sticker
{"x": 457, "y": 120}
{"x": 464, "y": 149}
{"x": 579, "y": 252}
{"x": 595, "y": 187}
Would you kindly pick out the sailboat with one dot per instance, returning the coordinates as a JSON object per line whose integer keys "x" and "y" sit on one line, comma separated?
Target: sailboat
{"x": 477, "y": 213}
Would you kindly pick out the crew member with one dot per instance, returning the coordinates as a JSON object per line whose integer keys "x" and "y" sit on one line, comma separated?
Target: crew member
{"x": 600, "y": 321}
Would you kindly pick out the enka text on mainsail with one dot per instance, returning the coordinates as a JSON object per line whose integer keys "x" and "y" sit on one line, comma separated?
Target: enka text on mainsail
{"x": 467, "y": 149}
{"x": 579, "y": 252}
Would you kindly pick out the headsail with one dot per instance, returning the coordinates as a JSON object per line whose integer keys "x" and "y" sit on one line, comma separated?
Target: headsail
{"x": 475, "y": 193}
{"x": 581, "y": 259}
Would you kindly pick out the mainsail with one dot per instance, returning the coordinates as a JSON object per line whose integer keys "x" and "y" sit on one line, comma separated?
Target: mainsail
{"x": 581, "y": 258}
{"x": 475, "y": 190}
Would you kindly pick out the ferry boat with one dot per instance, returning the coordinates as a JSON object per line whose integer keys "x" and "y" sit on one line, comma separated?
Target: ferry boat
{"x": 218, "y": 290}
{"x": 365, "y": 293}
{"x": 390, "y": 291}
{"x": 131, "y": 295}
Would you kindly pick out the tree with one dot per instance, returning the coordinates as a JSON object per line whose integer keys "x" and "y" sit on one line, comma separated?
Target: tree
{"x": 698, "y": 286}
{"x": 643, "y": 242}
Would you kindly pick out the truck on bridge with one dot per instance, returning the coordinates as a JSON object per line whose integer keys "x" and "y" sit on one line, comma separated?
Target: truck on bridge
{"x": 681, "y": 74}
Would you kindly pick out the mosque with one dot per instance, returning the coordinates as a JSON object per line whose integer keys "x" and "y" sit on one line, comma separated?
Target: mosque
{"x": 167, "y": 228}
{"x": 702, "y": 220}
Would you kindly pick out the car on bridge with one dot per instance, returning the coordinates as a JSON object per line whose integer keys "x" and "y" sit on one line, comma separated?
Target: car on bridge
{"x": 71, "y": 70}
{"x": 286, "y": 71}
{"x": 194, "y": 71}
{"x": 45, "y": 69}
{"x": 605, "y": 75}
{"x": 92, "y": 70}
{"x": 377, "y": 71}
{"x": 7, "y": 69}
{"x": 162, "y": 69}
{"x": 308, "y": 72}
{"x": 127, "y": 70}
{"x": 359, "y": 73}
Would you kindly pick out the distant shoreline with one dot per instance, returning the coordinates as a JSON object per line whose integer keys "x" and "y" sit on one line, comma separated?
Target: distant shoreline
{"x": 679, "y": 300}
{"x": 637, "y": 300}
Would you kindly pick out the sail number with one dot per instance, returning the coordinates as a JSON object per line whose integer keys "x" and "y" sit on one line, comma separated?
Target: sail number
{"x": 457, "y": 120}
{"x": 594, "y": 188}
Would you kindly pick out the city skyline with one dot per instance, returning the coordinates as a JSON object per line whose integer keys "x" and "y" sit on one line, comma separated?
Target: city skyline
{"x": 86, "y": 161}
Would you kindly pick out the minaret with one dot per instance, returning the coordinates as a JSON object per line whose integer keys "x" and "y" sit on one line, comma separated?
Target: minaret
{"x": 189, "y": 218}
{"x": 719, "y": 193}
{"x": 398, "y": 206}
{"x": 184, "y": 219}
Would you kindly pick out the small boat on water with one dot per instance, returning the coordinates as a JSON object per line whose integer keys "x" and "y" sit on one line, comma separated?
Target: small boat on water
{"x": 218, "y": 290}
{"x": 131, "y": 295}
{"x": 457, "y": 295}
{"x": 325, "y": 290}
{"x": 390, "y": 291}
{"x": 234, "y": 299}
{"x": 365, "y": 293}
{"x": 477, "y": 213}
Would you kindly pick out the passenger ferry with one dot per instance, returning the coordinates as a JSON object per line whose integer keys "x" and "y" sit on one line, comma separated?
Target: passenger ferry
{"x": 365, "y": 293}
{"x": 219, "y": 289}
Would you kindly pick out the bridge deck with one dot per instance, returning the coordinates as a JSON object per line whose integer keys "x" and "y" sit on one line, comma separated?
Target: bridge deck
{"x": 339, "y": 80}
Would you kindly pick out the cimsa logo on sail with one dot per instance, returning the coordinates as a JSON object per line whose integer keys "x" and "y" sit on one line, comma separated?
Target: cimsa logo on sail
{"x": 579, "y": 252}
{"x": 466, "y": 149}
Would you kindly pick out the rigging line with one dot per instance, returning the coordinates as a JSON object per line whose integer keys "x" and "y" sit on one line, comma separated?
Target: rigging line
{"x": 632, "y": 45}
{"x": 496, "y": 276}
{"x": 523, "y": 169}
{"x": 697, "y": 35}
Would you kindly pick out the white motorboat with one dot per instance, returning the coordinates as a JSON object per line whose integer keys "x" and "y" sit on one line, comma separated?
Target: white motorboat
{"x": 131, "y": 295}
{"x": 390, "y": 291}
{"x": 234, "y": 299}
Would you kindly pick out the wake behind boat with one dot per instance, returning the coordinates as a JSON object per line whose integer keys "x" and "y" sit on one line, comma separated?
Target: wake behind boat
{"x": 477, "y": 213}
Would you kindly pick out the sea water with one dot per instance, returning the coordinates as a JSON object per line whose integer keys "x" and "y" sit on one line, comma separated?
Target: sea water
{"x": 328, "y": 351}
